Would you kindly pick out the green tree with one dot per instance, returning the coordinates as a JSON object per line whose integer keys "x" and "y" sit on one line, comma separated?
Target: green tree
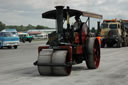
{"x": 21, "y": 27}
{"x": 2, "y": 26}
{"x": 30, "y": 27}
{"x": 39, "y": 27}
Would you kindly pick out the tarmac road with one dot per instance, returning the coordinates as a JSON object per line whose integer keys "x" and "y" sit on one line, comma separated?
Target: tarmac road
{"x": 16, "y": 68}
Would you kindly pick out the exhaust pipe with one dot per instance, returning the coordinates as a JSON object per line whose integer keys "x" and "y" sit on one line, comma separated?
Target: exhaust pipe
{"x": 98, "y": 28}
{"x": 59, "y": 19}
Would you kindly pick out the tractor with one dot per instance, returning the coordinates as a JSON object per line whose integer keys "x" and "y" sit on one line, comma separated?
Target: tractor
{"x": 67, "y": 46}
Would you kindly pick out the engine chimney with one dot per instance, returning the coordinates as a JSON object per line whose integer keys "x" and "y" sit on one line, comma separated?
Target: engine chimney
{"x": 98, "y": 28}
{"x": 59, "y": 19}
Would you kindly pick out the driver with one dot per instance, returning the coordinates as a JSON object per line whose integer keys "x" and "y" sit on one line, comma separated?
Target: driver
{"x": 77, "y": 23}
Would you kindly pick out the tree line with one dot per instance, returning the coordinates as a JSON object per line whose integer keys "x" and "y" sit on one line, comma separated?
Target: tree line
{"x": 29, "y": 27}
{"x": 21, "y": 27}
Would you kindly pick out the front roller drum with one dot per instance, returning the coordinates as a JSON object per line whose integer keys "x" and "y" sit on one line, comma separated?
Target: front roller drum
{"x": 54, "y": 62}
{"x": 44, "y": 58}
{"x": 61, "y": 57}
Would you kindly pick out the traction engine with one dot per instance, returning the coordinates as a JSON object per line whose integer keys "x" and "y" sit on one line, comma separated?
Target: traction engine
{"x": 67, "y": 47}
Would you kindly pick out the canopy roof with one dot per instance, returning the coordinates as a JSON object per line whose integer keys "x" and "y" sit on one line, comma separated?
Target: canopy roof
{"x": 72, "y": 12}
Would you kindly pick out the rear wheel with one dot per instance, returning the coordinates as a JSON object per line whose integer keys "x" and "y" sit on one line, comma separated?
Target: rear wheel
{"x": 93, "y": 53}
{"x": 15, "y": 47}
{"x": 30, "y": 41}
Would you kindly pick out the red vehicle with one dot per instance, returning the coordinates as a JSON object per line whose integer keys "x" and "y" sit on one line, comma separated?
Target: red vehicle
{"x": 67, "y": 47}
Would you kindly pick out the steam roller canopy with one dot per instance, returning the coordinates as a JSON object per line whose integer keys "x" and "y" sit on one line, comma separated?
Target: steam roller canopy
{"x": 53, "y": 62}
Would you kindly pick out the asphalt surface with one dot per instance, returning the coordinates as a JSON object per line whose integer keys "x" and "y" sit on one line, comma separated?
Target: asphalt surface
{"x": 16, "y": 68}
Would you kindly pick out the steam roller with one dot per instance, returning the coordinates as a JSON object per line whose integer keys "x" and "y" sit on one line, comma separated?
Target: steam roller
{"x": 68, "y": 46}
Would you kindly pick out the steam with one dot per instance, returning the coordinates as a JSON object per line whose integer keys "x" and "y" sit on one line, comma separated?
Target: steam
{"x": 61, "y": 2}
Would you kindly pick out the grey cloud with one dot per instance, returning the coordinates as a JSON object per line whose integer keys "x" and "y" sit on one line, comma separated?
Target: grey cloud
{"x": 29, "y": 11}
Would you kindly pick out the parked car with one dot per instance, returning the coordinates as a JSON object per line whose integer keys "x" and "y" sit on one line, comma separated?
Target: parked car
{"x": 25, "y": 37}
{"x": 7, "y": 39}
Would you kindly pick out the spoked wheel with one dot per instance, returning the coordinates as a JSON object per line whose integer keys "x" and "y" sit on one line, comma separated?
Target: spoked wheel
{"x": 54, "y": 62}
{"x": 93, "y": 53}
{"x": 96, "y": 54}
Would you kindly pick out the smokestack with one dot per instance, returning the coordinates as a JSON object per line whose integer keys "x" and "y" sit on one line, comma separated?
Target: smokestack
{"x": 59, "y": 19}
{"x": 98, "y": 27}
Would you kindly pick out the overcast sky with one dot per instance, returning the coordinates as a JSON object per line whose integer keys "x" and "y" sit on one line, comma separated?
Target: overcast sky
{"x": 24, "y": 12}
